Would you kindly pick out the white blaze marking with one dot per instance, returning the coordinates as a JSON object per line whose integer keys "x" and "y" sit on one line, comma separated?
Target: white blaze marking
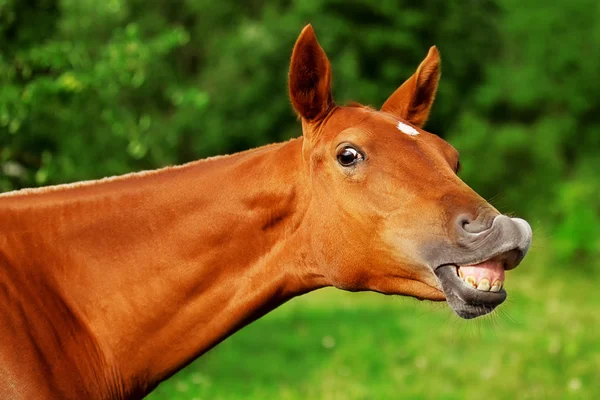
{"x": 409, "y": 130}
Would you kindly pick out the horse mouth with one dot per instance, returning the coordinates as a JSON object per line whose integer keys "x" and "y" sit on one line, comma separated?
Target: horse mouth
{"x": 473, "y": 290}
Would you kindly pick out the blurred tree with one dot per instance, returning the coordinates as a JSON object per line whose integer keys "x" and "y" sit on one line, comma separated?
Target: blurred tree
{"x": 530, "y": 133}
{"x": 87, "y": 91}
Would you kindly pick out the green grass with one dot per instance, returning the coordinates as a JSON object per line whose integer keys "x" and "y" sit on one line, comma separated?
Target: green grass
{"x": 541, "y": 344}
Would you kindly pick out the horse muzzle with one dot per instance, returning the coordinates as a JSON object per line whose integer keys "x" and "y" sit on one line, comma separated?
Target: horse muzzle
{"x": 471, "y": 272}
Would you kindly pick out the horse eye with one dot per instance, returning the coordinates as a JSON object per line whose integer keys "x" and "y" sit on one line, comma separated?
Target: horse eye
{"x": 348, "y": 156}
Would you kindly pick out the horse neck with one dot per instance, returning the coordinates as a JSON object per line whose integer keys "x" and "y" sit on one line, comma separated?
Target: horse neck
{"x": 162, "y": 267}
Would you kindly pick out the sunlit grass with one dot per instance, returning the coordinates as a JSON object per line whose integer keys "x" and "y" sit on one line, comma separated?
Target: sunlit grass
{"x": 541, "y": 344}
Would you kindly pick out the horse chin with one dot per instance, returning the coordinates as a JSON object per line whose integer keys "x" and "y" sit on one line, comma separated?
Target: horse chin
{"x": 467, "y": 301}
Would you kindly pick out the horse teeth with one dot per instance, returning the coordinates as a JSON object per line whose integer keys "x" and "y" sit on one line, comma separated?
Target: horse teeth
{"x": 496, "y": 286}
{"x": 470, "y": 279}
{"x": 484, "y": 285}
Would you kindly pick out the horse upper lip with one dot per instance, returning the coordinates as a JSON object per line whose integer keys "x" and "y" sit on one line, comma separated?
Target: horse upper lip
{"x": 508, "y": 237}
{"x": 511, "y": 258}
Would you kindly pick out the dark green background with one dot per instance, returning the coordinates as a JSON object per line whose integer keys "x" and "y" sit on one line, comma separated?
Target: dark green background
{"x": 94, "y": 88}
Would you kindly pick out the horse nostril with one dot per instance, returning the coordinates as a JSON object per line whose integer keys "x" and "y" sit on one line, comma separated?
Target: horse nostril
{"x": 463, "y": 223}
{"x": 482, "y": 223}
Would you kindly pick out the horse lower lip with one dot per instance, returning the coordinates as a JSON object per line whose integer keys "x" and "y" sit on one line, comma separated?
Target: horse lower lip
{"x": 466, "y": 301}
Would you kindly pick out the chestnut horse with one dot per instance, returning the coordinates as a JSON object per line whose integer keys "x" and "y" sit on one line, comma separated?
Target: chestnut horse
{"x": 109, "y": 287}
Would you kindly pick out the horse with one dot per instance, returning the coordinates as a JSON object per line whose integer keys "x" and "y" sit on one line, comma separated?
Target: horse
{"x": 109, "y": 287}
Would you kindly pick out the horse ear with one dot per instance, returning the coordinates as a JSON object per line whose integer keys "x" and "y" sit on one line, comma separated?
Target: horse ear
{"x": 310, "y": 77}
{"x": 413, "y": 100}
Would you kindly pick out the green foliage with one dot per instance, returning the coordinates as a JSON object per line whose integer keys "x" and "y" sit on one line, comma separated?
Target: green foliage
{"x": 88, "y": 93}
{"x": 91, "y": 89}
{"x": 530, "y": 132}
